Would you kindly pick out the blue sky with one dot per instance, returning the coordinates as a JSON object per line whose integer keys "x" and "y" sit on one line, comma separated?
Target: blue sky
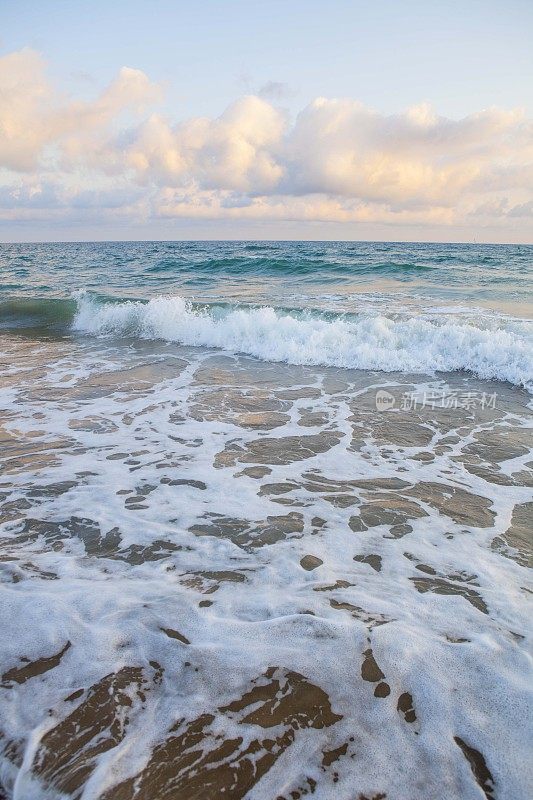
{"x": 458, "y": 57}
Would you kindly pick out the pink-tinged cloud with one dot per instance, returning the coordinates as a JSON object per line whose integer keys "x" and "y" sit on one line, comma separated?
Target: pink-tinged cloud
{"x": 338, "y": 160}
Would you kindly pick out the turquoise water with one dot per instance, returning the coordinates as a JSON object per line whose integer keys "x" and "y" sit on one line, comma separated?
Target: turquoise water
{"x": 380, "y": 306}
{"x": 497, "y": 275}
{"x": 265, "y": 521}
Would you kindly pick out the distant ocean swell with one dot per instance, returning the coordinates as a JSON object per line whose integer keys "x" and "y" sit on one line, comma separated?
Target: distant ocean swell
{"x": 413, "y": 344}
{"x": 314, "y": 266}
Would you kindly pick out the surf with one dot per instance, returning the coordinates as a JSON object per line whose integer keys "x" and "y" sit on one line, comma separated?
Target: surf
{"x": 490, "y": 348}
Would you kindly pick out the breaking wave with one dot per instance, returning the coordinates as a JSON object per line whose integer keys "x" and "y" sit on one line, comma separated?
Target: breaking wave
{"x": 492, "y": 348}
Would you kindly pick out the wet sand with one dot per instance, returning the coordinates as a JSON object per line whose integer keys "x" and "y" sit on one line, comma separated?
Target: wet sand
{"x": 229, "y": 578}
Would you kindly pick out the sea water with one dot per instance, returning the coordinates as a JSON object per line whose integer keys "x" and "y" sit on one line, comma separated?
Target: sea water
{"x": 266, "y": 521}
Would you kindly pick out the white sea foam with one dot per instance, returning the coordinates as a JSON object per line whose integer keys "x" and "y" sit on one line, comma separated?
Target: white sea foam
{"x": 468, "y": 672}
{"x": 493, "y": 348}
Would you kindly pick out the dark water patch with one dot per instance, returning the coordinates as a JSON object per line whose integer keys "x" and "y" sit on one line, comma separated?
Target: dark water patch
{"x": 195, "y": 761}
{"x": 387, "y": 509}
{"x": 173, "y": 634}
{"x": 32, "y": 669}
{"x": 371, "y": 620}
{"x": 446, "y": 587}
{"x": 55, "y": 534}
{"x": 406, "y": 708}
{"x": 479, "y": 768}
{"x": 250, "y": 535}
{"x": 14, "y": 571}
{"x": 460, "y": 505}
{"x": 517, "y": 541}
{"x": 137, "y": 554}
{"x": 373, "y": 560}
{"x": 310, "y": 562}
{"x": 277, "y": 451}
{"x": 369, "y": 669}
{"x": 382, "y": 690}
{"x": 68, "y": 753}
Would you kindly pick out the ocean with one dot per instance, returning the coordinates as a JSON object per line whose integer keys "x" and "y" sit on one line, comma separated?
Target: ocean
{"x": 266, "y": 521}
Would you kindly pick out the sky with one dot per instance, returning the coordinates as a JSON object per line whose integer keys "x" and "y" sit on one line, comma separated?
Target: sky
{"x": 264, "y": 120}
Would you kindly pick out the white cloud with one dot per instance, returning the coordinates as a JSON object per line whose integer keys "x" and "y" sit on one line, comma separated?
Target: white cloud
{"x": 338, "y": 161}
{"x": 34, "y": 116}
{"x": 235, "y": 151}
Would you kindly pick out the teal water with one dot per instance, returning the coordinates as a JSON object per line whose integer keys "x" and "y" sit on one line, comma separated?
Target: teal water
{"x": 362, "y": 305}
{"x": 328, "y": 272}
{"x": 265, "y": 521}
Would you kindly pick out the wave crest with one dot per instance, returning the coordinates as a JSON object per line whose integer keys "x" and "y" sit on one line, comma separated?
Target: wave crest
{"x": 412, "y": 344}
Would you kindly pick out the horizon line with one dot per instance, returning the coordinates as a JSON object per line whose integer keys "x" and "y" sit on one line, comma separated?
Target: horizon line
{"x": 266, "y": 240}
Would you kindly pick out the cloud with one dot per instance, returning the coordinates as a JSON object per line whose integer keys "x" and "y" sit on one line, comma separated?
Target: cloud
{"x": 24, "y": 122}
{"x": 337, "y": 161}
{"x": 236, "y": 151}
{"x": 412, "y": 159}
{"x": 34, "y": 116}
